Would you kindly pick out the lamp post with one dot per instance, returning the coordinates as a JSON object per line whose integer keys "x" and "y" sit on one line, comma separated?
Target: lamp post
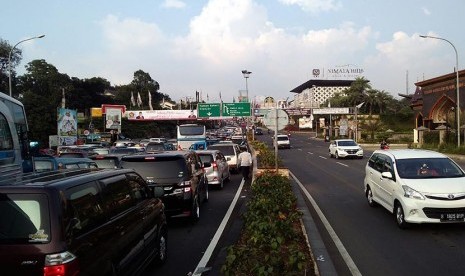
{"x": 246, "y": 75}
{"x": 357, "y": 107}
{"x": 457, "y": 84}
{"x": 9, "y": 60}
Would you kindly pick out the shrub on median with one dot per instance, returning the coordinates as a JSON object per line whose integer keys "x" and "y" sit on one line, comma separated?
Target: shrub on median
{"x": 272, "y": 241}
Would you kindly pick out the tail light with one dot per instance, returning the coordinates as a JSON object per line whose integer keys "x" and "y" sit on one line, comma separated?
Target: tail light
{"x": 186, "y": 186}
{"x": 214, "y": 166}
{"x": 61, "y": 264}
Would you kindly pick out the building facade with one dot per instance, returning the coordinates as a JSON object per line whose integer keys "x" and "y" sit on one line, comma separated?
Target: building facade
{"x": 313, "y": 93}
{"x": 435, "y": 101}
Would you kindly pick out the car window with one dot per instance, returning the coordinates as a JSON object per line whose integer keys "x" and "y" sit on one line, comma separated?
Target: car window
{"x": 139, "y": 189}
{"x": 43, "y": 165}
{"x": 84, "y": 205}
{"x": 116, "y": 195}
{"x": 206, "y": 158}
{"x": 226, "y": 150}
{"x": 160, "y": 168}
{"x": 428, "y": 167}
{"x": 107, "y": 163}
{"x": 347, "y": 143}
{"x": 24, "y": 218}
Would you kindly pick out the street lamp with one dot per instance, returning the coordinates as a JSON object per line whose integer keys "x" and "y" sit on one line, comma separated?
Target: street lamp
{"x": 457, "y": 84}
{"x": 9, "y": 59}
{"x": 357, "y": 107}
{"x": 246, "y": 75}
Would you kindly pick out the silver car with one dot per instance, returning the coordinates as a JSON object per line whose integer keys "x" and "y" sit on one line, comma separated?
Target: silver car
{"x": 218, "y": 172}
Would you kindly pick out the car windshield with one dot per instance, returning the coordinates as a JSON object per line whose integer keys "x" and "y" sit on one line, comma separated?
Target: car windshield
{"x": 25, "y": 218}
{"x": 226, "y": 150}
{"x": 123, "y": 151}
{"x": 347, "y": 143}
{"x": 415, "y": 168}
{"x": 282, "y": 138}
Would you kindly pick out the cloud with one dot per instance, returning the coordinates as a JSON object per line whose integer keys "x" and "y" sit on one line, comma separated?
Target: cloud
{"x": 176, "y": 4}
{"x": 314, "y": 5}
{"x": 426, "y": 11}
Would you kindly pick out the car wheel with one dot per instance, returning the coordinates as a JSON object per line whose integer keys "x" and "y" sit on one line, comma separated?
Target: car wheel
{"x": 195, "y": 212}
{"x": 370, "y": 200}
{"x": 400, "y": 217}
{"x": 162, "y": 248}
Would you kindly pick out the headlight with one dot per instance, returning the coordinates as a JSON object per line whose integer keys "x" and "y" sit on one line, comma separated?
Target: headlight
{"x": 411, "y": 193}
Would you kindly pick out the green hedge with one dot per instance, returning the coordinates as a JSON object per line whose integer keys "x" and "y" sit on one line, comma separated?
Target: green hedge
{"x": 272, "y": 242}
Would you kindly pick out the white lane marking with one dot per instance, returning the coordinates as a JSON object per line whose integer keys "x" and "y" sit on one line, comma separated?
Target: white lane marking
{"x": 322, "y": 157}
{"x": 299, "y": 149}
{"x": 345, "y": 165}
{"x": 310, "y": 152}
{"x": 342, "y": 250}
{"x": 207, "y": 255}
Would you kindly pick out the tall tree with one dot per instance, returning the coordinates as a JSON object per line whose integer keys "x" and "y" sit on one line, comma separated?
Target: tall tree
{"x": 16, "y": 56}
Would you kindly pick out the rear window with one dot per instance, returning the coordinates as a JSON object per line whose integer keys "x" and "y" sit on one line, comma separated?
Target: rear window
{"x": 158, "y": 167}
{"x": 206, "y": 158}
{"x": 43, "y": 165}
{"x": 24, "y": 218}
{"x": 123, "y": 151}
{"x": 106, "y": 163}
{"x": 283, "y": 138}
{"x": 226, "y": 150}
{"x": 155, "y": 147}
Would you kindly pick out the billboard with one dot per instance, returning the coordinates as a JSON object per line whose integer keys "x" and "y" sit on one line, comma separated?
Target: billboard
{"x": 156, "y": 115}
{"x": 113, "y": 118}
{"x": 67, "y": 126}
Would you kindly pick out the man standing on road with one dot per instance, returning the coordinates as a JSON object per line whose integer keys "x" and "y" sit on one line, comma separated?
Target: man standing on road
{"x": 245, "y": 161}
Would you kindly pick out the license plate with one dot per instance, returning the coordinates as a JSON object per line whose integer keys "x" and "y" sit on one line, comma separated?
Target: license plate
{"x": 453, "y": 217}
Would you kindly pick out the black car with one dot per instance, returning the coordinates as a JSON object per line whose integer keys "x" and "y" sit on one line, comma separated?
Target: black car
{"x": 108, "y": 161}
{"x": 87, "y": 222}
{"x": 258, "y": 131}
{"x": 181, "y": 175}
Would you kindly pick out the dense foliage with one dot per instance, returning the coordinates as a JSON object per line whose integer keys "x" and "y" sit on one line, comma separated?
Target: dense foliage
{"x": 272, "y": 242}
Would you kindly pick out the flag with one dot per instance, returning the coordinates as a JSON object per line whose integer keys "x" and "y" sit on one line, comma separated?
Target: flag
{"x": 133, "y": 101}
{"x": 139, "y": 100}
{"x": 221, "y": 100}
{"x": 150, "y": 100}
{"x": 208, "y": 98}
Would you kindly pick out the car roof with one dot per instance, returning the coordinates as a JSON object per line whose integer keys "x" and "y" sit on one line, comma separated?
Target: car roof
{"x": 203, "y": 152}
{"x": 341, "y": 140}
{"x": 282, "y": 135}
{"x": 412, "y": 153}
{"x": 64, "y": 178}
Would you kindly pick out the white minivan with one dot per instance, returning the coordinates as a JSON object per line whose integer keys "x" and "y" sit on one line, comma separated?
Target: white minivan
{"x": 417, "y": 186}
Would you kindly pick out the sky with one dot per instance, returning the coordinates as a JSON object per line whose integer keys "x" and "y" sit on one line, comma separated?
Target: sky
{"x": 203, "y": 45}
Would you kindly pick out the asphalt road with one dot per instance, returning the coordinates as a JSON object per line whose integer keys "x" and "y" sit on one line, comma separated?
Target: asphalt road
{"x": 188, "y": 242}
{"x": 370, "y": 236}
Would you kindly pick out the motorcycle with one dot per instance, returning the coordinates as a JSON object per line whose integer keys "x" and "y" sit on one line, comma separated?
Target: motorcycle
{"x": 384, "y": 146}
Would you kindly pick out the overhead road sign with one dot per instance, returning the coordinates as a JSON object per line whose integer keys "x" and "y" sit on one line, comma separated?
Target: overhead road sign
{"x": 207, "y": 110}
{"x": 236, "y": 109}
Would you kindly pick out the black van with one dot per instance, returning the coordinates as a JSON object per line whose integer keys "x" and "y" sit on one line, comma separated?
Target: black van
{"x": 180, "y": 173}
{"x": 88, "y": 222}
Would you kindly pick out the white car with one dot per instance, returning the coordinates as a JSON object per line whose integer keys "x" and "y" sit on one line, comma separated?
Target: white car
{"x": 417, "y": 186}
{"x": 342, "y": 148}
{"x": 283, "y": 141}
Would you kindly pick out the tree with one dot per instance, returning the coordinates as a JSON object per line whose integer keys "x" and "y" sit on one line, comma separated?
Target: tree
{"x": 16, "y": 56}
{"x": 144, "y": 84}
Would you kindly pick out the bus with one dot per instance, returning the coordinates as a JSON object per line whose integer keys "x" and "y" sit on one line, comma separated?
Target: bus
{"x": 14, "y": 143}
{"x": 188, "y": 134}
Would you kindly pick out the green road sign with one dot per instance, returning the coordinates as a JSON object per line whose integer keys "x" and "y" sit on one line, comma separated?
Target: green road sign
{"x": 206, "y": 110}
{"x": 236, "y": 109}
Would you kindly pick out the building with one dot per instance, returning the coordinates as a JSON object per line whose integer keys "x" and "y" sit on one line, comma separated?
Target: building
{"x": 313, "y": 93}
{"x": 434, "y": 101}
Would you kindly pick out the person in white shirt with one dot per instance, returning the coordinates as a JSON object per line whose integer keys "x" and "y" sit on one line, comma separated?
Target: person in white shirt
{"x": 245, "y": 161}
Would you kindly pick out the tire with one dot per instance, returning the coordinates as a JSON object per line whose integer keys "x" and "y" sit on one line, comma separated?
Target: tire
{"x": 162, "y": 248}
{"x": 400, "y": 217}
{"x": 369, "y": 195}
{"x": 195, "y": 212}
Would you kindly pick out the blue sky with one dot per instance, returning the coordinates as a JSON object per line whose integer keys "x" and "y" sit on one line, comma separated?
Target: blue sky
{"x": 201, "y": 45}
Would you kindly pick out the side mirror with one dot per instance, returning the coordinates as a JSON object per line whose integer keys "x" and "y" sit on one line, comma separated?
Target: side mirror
{"x": 386, "y": 175}
{"x": 158, "y": 191}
